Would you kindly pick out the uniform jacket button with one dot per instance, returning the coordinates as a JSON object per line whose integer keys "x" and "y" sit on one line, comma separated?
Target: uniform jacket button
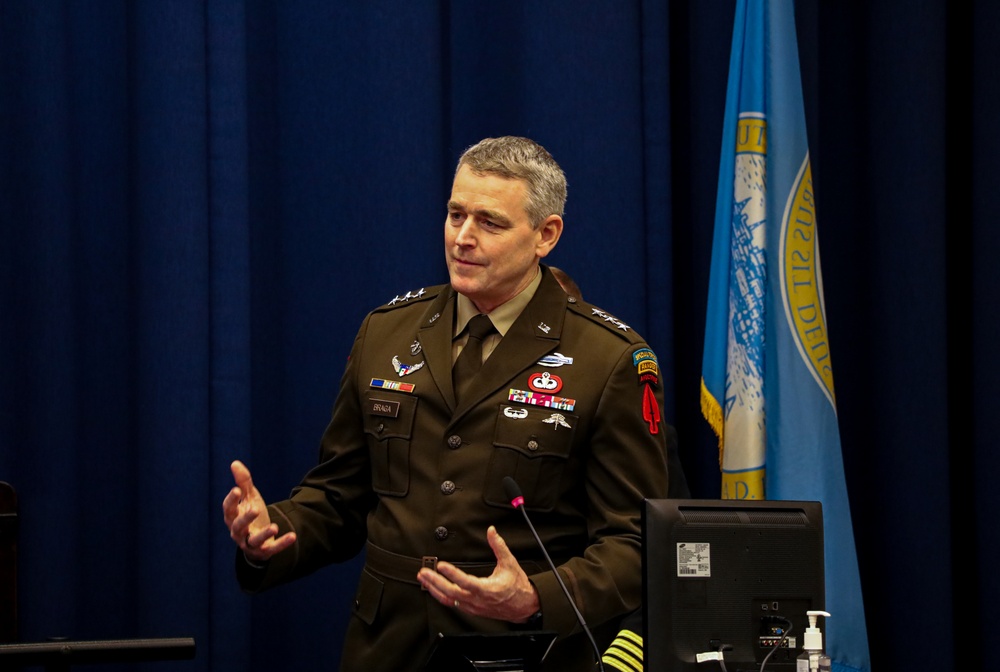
{"x": 448, "y": 487}
{"x": 454, "y": 441}
{"x": 532, "y": 445}
{"x": 441, "y": 533}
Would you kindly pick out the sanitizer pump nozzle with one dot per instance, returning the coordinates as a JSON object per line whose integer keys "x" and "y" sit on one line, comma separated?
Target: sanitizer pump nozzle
{"x": 813, "y": 658}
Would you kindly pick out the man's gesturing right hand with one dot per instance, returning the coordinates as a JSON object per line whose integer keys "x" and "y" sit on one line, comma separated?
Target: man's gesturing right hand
{"x": 250, "y": 526}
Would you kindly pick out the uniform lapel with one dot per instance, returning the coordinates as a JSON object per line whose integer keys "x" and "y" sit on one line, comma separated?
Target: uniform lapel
{"x": 436, "y": 328}
{"x": 534, "y": 334}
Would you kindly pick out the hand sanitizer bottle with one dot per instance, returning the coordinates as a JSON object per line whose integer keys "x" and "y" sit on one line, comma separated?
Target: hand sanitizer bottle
{"x": 813, "y": 658}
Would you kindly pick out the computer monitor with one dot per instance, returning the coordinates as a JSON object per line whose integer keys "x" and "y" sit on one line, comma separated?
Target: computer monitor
{"x": 729, "y": 575}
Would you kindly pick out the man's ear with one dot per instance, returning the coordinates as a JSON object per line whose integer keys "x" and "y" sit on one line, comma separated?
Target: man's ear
{"x": 548, "y": 235}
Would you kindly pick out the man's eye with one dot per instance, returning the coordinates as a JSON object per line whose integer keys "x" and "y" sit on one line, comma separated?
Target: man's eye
{"x": 456, "y": 217}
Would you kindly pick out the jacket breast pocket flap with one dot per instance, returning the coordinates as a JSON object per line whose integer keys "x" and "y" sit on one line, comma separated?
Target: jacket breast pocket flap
{"x": 389, "y": 415}
{"x": 388, "y": 422}
{"x": 535, "y": 432}
{"x": 532, "y": 446}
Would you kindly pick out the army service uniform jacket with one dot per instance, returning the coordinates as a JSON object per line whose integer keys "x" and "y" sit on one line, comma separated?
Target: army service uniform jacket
{"x": 568, "y": 405}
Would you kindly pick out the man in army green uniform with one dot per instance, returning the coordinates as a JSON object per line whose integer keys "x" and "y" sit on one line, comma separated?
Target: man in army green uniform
{"x": 567, "y": 403}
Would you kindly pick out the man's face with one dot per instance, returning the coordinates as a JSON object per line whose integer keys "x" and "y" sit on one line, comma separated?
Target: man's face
{"x": 491, "y": 249}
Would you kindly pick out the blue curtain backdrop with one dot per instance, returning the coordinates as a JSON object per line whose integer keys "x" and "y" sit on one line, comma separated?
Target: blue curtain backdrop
{"x": 200, "y": 200}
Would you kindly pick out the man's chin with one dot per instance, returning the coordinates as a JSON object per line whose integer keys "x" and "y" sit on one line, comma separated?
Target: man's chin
{"x": 463, "y": 285}
{"x": 469, "y": 287}
{"x": 464, "y": 277}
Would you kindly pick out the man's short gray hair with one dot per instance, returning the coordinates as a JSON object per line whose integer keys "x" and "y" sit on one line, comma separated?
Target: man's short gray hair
{"x": 522, "y": 159}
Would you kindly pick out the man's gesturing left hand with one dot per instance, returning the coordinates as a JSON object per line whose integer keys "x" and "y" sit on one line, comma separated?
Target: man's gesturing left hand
{"x": 506, "y": 594}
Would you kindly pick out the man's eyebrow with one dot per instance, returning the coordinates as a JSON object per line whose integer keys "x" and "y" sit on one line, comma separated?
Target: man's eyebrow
{"x": 491, "y": 215}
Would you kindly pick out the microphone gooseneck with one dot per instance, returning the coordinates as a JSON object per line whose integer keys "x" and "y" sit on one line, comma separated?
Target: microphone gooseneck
{"x": 517, "y": 501}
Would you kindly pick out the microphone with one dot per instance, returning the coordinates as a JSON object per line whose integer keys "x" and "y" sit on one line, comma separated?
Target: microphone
{"x": 517, "y": 501}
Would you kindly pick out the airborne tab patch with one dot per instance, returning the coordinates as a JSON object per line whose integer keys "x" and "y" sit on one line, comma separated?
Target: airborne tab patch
{"x": 646, "y": 366}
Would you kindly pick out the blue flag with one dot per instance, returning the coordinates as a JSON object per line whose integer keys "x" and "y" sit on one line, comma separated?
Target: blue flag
{"x": 767, "y": 378}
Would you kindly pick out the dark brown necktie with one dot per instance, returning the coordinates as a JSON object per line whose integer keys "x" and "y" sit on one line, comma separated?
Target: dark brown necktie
{"x": 470, "y": 360}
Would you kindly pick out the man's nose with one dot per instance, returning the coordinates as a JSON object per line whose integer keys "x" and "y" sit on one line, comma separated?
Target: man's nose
{"x": 466, "y": 232}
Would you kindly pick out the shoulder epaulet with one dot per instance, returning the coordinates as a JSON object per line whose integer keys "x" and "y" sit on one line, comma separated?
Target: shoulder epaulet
{"x": 411, "y": 296}
{"x": 606, "y": 320}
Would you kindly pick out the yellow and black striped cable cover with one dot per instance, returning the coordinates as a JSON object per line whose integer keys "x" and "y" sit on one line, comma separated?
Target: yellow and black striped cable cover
{"x": 625, "y": 653}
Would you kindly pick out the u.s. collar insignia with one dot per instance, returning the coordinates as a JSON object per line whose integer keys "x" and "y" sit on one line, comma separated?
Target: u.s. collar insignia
{"x": 557, "y": 420}
{"x": 403, "y": 369}
{"x": 555, "y": 359}
{"x": 544, "y": 327}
